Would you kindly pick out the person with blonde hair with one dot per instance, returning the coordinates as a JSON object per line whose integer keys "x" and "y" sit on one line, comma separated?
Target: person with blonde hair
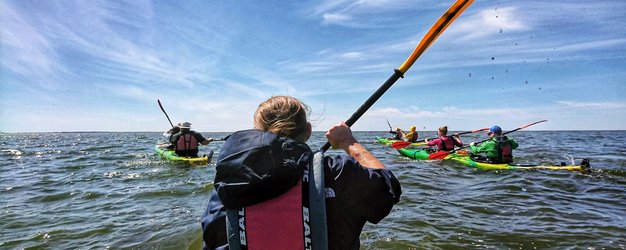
{"x": 445, "y": 142}
{"x": 260, "y": 172}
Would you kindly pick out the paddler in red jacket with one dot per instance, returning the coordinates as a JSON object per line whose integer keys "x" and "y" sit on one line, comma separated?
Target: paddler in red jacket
{"x": 444, "y": 142}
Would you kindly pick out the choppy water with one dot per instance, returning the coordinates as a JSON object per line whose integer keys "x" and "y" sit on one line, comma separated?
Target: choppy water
{"x": 108, "y": 190}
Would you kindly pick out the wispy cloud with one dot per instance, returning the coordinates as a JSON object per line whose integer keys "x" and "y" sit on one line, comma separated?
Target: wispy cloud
{"x": 214, "y": 62}
{"x": 488, "y": 22}
{"x": 357, "y": 14}
{"x": 593, "y": 105}
{"x": 25, "y": 49}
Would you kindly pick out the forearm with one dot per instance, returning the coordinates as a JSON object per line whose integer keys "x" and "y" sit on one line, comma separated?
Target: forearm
{"x": 363, "y": 156}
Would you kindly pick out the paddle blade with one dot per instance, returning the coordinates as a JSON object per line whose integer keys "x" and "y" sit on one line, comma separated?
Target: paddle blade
{"x": 400, "y": 144}
{"x": 438, "y": 155}
{"x": 453, "y": 12}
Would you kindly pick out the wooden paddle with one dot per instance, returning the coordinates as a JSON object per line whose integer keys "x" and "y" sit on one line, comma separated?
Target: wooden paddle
{"x": 404, "y": 144}
{"x": 442, "y": 154}
{"x": 444, "y": 21}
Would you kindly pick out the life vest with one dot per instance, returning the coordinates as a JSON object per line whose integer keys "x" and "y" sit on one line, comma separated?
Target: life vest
{"x": 187, "y": 145}
{"x": 413, "y": 136}
{"x": 292, "y": 219}
{"x": 398, "y": 136}
{"x": 444, "y": 143}
{"x": 505, "y": 148}
{"x": 280, "y": 223}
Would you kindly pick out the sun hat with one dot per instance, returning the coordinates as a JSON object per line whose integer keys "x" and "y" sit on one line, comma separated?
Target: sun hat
{"x": 184, "y": 125}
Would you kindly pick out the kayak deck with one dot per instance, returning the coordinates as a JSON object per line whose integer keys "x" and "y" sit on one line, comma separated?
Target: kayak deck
{"x": 170, "y": 155}
{"x": 465, "y": 159}
{"x": 387, "y": 141}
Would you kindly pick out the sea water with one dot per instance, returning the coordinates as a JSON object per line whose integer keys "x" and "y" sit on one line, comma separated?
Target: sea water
{"x": 109, "y": 190}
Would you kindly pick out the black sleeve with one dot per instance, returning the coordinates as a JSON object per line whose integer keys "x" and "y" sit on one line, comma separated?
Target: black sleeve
{"x": 214, "y": 224}
{"x": 199, "y": 137}
{"x": 174, "y": 138}
{"x": 371, "y": 192}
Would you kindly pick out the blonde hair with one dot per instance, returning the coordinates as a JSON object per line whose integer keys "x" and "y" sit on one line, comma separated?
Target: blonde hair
{"x": 285, "y": 116}
{"x": 443, "y": 130}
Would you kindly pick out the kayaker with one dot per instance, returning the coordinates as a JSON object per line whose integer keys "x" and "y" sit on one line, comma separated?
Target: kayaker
{"x": 186, "y": 141}
{"x": 497, "y": 149}
{"x": 412, "y": 135}
{"x": 444, "y": 142}
{"x": 398, "y": 134}
{"x": 168, "y": 134}
{"x": 358, "y": 187}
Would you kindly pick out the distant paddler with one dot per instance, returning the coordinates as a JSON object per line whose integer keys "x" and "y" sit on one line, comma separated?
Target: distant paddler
{"x": 497, "y": 149}
{"x": 445, "y": 142}
{"x": 186, "y": 141}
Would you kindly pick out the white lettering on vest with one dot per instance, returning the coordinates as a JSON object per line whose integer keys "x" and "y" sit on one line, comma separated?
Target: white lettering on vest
{"x": 242, "y": 227}
{"x": 305, "y": 176}
{"x": 307, "y": 228}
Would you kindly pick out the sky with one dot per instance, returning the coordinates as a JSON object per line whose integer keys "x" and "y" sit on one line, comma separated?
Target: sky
{"x": 102, "y": 65}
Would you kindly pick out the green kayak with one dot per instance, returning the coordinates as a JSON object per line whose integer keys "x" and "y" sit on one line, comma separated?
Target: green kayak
{"x": 415, "y": 153}
{"x": 170, "y": 155}
{"x": 388, "y": 141}
{"x": 465, "y": 159}
{"x": 383, "y": 140}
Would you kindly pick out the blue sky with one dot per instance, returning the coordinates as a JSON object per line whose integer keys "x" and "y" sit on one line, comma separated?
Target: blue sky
{"x": 102, "y": 65}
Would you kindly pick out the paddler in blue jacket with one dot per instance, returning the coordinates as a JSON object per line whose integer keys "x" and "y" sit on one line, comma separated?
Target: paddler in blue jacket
{"x": 261, "y": 165}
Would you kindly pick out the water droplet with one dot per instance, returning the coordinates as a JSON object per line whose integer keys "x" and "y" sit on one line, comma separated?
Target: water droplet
{"x": 470, "y": 74}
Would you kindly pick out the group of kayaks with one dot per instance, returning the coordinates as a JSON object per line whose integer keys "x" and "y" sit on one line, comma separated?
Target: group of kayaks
{"x": 168, "y": 154}
{"x": 416, "y": 151}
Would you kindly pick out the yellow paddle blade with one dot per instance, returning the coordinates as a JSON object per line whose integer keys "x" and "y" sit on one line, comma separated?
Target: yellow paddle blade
{"x": 453, "y": 12}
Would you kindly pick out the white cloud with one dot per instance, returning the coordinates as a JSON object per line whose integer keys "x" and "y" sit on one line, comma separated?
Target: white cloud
{"x": 489, "y": 22}
{"x": 592, "y": 105}
{"x": 352, "y": 55}
{"x": 335, "y": 18}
